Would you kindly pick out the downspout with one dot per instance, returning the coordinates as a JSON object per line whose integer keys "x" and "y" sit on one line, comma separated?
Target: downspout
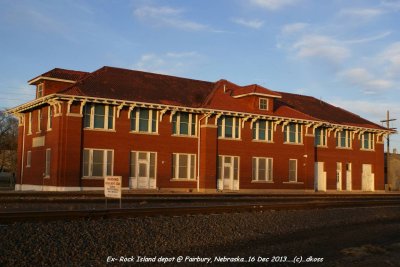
{"x": 198, "y": 153}
{"x": 23, "y": 154}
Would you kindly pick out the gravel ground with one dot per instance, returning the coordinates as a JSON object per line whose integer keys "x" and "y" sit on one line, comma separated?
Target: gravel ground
{"x": 338, "y": 237}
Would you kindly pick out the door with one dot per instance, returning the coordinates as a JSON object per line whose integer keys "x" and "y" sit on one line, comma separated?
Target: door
{"x": 228, "y": 176}
{"x": 143, "y": 170}
{"x": 348, "y": 177}
{"x": 319, "y": 177}
{"x": 367, "y": 183}
{"x": 338, "y": 176}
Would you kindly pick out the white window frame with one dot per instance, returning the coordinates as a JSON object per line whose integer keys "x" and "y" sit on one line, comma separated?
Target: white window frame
{"x": 28, "y": 158}
{"x": 136, "y": 113}
{"x": 191, "y": 159}
{"x": 39, "y": 92}
{"x": 299, "y": 129}
{"x": 106, "y": 115}
{"x": 268, "y": 138}
{"x": 90, "y": 163}
{"x": 371, "y": 141}
{"x": 30, "y": 123}
{"x": 323, "y": 140}
{"x": 39, "y": 116}
{"x": 47, "y": 168}
{"x": 260, "y": 104}
{"x": 234, "y": 119}
{"x": 178, "y": 124}
{"x": 49, "y": 118}
{"x": 348, "y": 139}
{"x": 269, "y": 176}
{"x": 296, "y": 171}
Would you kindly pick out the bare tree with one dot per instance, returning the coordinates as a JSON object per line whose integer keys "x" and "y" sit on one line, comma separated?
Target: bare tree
{"x": 8, "y": 142}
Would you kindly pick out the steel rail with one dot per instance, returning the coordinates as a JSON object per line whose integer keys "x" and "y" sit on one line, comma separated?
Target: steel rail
{"x": 10, "y": 217}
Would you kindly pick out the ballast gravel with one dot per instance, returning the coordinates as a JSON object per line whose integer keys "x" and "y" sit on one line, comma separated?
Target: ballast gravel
{"x": 340, "y": 237}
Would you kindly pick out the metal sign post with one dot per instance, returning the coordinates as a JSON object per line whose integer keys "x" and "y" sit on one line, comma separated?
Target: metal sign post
{"x": 113, "y": 188}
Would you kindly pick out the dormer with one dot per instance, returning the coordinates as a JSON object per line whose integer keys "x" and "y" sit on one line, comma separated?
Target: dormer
{"x": 55, "y": 81}
{"x": 262, "y": 98}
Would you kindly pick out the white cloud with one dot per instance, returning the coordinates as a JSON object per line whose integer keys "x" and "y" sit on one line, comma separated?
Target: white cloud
{"x": 172, "y": 63}
{"x": 273, "y": 4}
{"x": 369, "y": 39}
{"x": 366, "y": 81}
{"x": 390, "y": 57}
{"x": 322, "y": 47}
{"x": 255, "y": 24}
{"x": 293, "y": 28}
{"x": 361, "y": 13}
{"x": 170, "y": 17}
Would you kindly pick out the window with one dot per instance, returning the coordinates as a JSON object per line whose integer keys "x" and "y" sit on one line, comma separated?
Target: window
{"x": 144, "y": 120}
{"x": 143, "y": 164}
{"x": 262, "y": 130}
{"x": 184, "y": 124}
{"x": 263, "y": 104}
{"x": 28, "y": 158}
{"x": 48, "y": 163}
{"x": 344, "y": 139}
{"x": 39, "y": 120}
{"x": 184, "y": 166}
{"x": 39, "y": 90}
{"x": 228, "y": 127}
{"x": 262, "y": 169}
{"x": 30, "y": 123}
{"x": 320, "y": 137}
{"x": 97, "y": 162}
{"x": 292, "y": 170}
{"x": 99, "y": 116}
{"x": 49, "y": 118}
{"x": 367, "y": 141}
{"x": 293, "y": 133}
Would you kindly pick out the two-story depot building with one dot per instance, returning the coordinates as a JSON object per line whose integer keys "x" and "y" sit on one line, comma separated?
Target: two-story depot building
{"x": 170, "y": 133}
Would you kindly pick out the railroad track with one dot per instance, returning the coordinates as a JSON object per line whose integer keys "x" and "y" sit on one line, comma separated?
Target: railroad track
{"x": 10, "y": 217}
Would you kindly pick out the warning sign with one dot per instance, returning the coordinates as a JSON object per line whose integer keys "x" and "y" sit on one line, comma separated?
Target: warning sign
{"x": 112, "y": 186}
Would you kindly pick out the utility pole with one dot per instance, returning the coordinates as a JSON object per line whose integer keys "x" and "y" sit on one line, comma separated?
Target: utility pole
{"x": 388, "y": 120}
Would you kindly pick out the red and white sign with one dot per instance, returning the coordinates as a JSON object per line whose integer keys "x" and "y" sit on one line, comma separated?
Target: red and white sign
{"x": 112, "y": 186}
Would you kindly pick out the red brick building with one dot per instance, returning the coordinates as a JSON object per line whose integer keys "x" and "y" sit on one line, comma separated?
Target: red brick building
{"x": 165, "y": 132}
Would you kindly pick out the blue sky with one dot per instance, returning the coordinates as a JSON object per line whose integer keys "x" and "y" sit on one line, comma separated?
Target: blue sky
{"x": 344, "y": 52}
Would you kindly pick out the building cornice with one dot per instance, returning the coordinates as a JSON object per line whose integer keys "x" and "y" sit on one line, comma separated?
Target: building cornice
{"x": 125, "y": 103}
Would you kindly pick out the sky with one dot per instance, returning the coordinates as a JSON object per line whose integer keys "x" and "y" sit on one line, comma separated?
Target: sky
{"x": 346, "y": 53}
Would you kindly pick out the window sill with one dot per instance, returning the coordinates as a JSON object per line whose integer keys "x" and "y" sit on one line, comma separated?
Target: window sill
{"x": 48, "y": 130}
{"x": 38, "y": 132}
{"x": 262, "y": 182}
{"x": 262, "y": 141}
{"x": 230, "y": 139}
{"x": 182, "y": 180}
{"x": 46, "y": 177}
{"x": 293, "y": 182}
{"x": 345, "y": 148}
{"x": 99, "y": 130}
{"x": 367, "y": 149}
{"x": 319, "y": 146}
{"x": 92, "y": 178}
{"x": 182, "y": 135}
{"x": 145, "y": 133}
{"x": 296, "y": 144}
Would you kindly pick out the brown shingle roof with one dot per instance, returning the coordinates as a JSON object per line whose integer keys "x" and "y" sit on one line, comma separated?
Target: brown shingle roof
{"x": 116, "y": 83}
{"x": 323, "y": 111}
{"x": 131, "y": 85}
